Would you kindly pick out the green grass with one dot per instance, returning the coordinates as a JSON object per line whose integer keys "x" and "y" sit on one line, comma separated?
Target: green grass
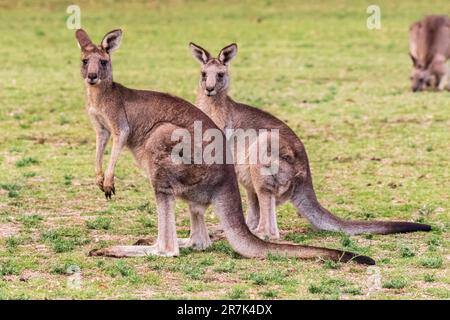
{"x": 99, "y": 223}
{"x": 376, "y": 150}
{"x": 429, "y": 277}
{"x": 237, "y": 293}
{"x": 12, "y": 189}
{"x": 333, "y": 289}
{"x": 431, "y": 261}
{"x": 25, "y": 162}
{"x": 8, "y": 267}
{"x": 407, "y": 252}
{"x": 65, "y": 239}
{"x": 396, "y": 283}
{"x": 30, "y": 221}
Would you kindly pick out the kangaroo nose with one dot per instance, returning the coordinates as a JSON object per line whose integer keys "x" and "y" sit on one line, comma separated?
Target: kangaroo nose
{"x": 92, "y": 76}
{"x": 209, "y": 89}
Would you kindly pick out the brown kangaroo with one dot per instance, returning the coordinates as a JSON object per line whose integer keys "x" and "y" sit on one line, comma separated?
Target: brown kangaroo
{"x": 144, "y": 122}
{"x": 429, "y": 49}
{"x": 293, "y": 180}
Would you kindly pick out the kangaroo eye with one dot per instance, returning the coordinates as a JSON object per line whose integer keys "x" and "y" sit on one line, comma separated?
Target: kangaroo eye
{"x": 85, "y": 61}
{"x": 220, "y": 75}
{"x": 104, "y": 62}
{"x": 203, "y": 74}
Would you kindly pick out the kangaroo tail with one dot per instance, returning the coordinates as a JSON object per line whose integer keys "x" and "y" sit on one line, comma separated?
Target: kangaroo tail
{"x": 227, "y": 206}
{"x": 304, "y": 198}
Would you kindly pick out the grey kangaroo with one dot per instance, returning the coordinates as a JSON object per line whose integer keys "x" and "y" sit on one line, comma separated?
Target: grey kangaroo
{"x": 293, "y": 179}
{"x": 144, "y": 122}
{"x": 429, "y": 49}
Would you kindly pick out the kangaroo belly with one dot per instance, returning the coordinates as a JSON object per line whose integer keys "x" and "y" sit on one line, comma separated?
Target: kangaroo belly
{"x": 161, "y": 158}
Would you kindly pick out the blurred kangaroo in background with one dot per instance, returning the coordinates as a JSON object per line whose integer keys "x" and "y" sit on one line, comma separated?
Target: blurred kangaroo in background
{"x": 429, "y": 49}
{"x": 144, "y": 121}
{"x": 293, "y": 180}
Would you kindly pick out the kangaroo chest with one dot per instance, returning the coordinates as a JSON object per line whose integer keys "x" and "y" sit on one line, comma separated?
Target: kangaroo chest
{"x": 98, "y": 118}
{"x": 220, "y": 117}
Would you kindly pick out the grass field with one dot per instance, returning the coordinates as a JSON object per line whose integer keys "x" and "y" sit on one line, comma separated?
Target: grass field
{"x": 377, "y": 151}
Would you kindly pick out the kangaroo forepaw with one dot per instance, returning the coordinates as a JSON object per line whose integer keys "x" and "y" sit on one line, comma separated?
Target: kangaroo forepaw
{"x": 109, "y": 191}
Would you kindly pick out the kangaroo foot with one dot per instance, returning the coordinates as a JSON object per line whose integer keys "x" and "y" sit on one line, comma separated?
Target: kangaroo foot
{"x": 266, "y": 234}
{"x": 195, "y": 243}
{"x": 132, "y": 251}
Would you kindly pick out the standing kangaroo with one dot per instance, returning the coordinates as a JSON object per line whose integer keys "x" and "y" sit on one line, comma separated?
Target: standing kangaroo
{"x": 144, "y": 122}
{"x": 429, "y": 49}
{"x": 293, "y": 180}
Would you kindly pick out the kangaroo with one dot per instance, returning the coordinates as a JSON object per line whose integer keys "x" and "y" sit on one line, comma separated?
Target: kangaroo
{"x": 429, "y": 49}
{"x": 143, "y": 121}
{"x": 293, "y": 180}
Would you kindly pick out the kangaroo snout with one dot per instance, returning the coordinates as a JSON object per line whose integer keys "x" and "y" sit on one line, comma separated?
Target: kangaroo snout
{"x": 92, "y": 78}
{"x": 210, "y": 91}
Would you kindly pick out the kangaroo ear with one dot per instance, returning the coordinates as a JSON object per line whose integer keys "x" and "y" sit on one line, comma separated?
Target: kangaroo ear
{"x": 111, "y": 41}
{"x": 199, "y": 53}
{"x": 83, "y": 39}
{"x": 228, "y": 53}
{"x": 414, "y": 60}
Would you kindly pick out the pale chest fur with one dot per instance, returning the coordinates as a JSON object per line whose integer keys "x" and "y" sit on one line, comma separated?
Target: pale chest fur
{"x": 96, "y": 111}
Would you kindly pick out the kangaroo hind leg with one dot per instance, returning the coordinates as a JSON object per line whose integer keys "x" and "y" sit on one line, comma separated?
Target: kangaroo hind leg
{"x": 253, "y": 210}
{"x": 199, "y": 237}
{"x": 166, "y": 245}
{"x": 267, "y": 228}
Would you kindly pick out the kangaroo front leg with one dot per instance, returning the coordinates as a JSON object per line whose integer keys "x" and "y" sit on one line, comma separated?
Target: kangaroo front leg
{"x": 119, "y": 141}
{"x": 199, "y": 238}
{"x": 267, "y": 228}
{"x": 102, "y": 137}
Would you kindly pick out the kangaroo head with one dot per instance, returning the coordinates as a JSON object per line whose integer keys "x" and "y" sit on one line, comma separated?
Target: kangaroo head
{"x": 214, "y": 73}
{"x": 420, "y": 76}
{"x": 96, "y": 60}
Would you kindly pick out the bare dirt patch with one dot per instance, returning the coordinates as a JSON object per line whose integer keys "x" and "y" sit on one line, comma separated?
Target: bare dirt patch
{"x": 8, "y": 230}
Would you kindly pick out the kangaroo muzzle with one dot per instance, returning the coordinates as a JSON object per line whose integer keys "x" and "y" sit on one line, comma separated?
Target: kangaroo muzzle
{"x": 92, "y": 78}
